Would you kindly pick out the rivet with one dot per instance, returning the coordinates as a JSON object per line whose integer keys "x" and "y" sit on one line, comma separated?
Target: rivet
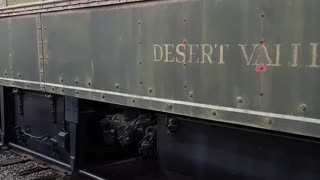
{"x": 150, "y": 90}
{"x": 190, "y": 94}
{"x": 61, "y": 80}
{"x": 53, "y": 89}
{"x": 269, "y": 121}
{"x": 184, "y": 19}
{"x": 102, "y": 96}
{"x": 169, "y": 106}
{"x": 62, "y": 90}
{"x": 261, "y": 93}
{"x": 303, "y": 107}
{"x": 19, "y": 74}
{"x": 117, "y": 85}
{"x": 89, "y": 83}
{"x": 262, "y": 14}
{"x": 184, "y": 41}
{"x": 77, "y": 92}
{"x": 214, "y": 113}
{"x": 133, "y": 100}
{"x": 141, "y": 82}
{"x": 139, "y": 21}
{"x": 76, "y": 81}
{"x": 240, "y": 100}
{"x": 261, "y": 41}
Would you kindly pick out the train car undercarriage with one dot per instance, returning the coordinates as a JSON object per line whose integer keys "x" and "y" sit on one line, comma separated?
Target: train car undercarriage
{"x": 102, "y": 140}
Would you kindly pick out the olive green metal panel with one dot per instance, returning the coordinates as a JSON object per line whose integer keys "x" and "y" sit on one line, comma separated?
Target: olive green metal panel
{"x": 19, "y": 52}
{"x": 248, "y": 62}
{"x": 4, "y": 46}
{"x": 3, "y": 3}
{"x": 17, "y": 2}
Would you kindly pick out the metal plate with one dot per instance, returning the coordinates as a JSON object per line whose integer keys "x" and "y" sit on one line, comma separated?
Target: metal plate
{"x": 19, "y": 52}
{"x": 261, "y": 73}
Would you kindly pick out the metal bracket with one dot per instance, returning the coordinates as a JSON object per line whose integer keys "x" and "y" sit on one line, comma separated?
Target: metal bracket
{"x": 20, "y": 96}
{"x": 71, "y": 116}
{"x": 53, "y": 101}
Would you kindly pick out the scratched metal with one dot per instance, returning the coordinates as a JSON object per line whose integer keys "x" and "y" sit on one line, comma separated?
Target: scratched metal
{"x": 107, "y": 54}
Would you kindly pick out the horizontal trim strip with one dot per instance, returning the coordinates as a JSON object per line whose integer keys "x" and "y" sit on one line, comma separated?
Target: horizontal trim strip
{"x": 173, "y": 102}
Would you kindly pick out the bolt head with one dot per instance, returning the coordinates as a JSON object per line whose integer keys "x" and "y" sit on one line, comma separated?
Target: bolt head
{"x": 303, "y": 107}
{"x": 214, "y": 113}
{"x": 239, "y": 100}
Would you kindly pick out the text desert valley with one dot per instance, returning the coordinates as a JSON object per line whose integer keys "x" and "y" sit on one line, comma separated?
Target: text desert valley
{"x": 295, "y": 54}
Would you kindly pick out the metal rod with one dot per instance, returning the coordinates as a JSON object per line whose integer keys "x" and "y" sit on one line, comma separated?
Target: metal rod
{"x": 15, "y": 146}
{"x": 83, "y": 172}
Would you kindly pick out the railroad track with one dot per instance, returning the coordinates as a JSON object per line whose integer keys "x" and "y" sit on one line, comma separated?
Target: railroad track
{"x": 17, "y": 166}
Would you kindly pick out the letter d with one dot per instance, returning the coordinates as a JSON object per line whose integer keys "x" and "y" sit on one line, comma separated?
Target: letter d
{"x": 157, "y": 47}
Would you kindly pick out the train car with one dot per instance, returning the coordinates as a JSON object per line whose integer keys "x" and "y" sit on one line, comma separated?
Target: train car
{"x": 163, "y": 89}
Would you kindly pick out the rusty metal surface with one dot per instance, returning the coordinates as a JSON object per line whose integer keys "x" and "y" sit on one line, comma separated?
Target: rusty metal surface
{"x": 262, "y": 71}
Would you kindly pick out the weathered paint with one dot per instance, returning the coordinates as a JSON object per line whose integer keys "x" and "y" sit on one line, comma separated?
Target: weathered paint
{"x": 199, "y": 58}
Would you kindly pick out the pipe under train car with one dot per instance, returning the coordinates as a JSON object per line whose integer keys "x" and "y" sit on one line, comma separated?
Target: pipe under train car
{"x": 163, "y": 89}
